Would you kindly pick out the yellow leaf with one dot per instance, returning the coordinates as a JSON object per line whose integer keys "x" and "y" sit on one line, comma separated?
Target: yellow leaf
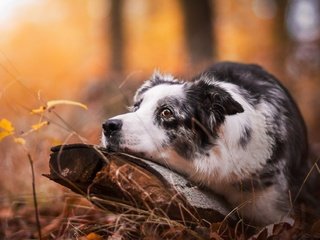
{"x": 93, "y": 236}
{"x": 6, "y": 125}
{"x": 38, "y": 110}
{"x": 5, "y": 134}
{"x": 55, "y": 141}
{"x": 6, "y": 128}
{"x": 53, "y": 103}
{"x": 20, "y": 140}
{"x": 39, "y": 125}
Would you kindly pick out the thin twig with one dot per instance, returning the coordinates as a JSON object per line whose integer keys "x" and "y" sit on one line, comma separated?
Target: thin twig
{"x": 315, "y": 165}
{"x": 35, "y": 197}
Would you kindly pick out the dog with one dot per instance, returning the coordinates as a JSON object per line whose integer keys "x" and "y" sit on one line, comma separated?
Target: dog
{"x": 234, "y": 129}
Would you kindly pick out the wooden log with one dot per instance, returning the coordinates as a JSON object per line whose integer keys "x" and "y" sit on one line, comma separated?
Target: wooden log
{"x": 121, "y": 182}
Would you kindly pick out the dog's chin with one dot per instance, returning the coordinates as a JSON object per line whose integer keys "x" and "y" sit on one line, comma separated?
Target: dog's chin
{"x": 112, "y": 148}
{"x": 136, "y": 154}
{"x": 126, "y": 150}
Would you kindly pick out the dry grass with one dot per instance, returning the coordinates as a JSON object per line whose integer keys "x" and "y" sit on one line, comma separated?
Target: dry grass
{"x": 67, "y": 216}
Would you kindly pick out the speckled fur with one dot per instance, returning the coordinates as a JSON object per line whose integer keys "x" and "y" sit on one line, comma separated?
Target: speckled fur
{"x": 234, "y": 129}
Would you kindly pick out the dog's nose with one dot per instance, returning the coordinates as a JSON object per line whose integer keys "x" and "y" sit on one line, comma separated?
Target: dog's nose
{"x": 111, "y": 126}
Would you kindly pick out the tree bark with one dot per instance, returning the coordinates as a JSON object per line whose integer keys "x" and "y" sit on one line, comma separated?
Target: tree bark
{"x": 120, "y": 182}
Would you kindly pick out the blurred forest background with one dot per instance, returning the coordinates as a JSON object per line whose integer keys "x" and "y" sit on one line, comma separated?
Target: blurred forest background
{"x": 98, "y": 52}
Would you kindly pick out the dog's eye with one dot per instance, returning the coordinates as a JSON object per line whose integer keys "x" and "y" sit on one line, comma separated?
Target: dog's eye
{"x": 166, "y": 113}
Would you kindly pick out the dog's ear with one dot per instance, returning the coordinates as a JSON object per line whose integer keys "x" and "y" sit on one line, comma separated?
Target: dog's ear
{"x": 214, "y": 98}
{"x": 218, "y": 104}
{"x": 225, "y": 103}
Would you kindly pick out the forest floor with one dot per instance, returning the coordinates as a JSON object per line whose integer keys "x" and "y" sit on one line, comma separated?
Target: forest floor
{"x": 70, "y": 216}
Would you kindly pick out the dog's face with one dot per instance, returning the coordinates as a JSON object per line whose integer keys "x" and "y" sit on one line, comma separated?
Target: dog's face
{"x": 171, "y": 121}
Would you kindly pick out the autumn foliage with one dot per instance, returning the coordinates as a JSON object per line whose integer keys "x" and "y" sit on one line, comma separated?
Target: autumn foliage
{"x": 58, "y": 81}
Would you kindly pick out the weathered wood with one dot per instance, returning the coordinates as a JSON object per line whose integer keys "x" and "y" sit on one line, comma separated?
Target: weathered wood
{"x": 122, "y": 182}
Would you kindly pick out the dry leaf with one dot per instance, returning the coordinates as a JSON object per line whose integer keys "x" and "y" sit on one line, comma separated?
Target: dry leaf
{"x": 20, "y": 140}
{"x": 39, "y": 110}
{"x": 39, "y": 125}
{"x": 4, "y": 134}
{"x": 6, "y": 125}
{"x": 55, "y": 141}
{"x": 93, "y": 236}
{"x": 6, "y": 128}
{"x": 53, "y": 103}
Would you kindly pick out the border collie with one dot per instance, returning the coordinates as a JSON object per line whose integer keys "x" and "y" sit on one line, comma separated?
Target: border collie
{"x": 233, "y": 128}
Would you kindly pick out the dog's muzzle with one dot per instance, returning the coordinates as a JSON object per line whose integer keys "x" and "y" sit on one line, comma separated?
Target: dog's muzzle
{"x": 111, "y": 130}
{"x": 111, "y": 127}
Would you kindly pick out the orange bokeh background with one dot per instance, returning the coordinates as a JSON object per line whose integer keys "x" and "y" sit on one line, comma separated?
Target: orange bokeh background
{"x": 55, "y": 49}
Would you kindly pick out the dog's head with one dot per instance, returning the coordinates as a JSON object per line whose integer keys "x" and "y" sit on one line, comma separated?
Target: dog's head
{"x": 171, "y": 121}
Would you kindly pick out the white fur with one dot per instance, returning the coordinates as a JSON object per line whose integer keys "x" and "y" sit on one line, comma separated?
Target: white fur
{"x": 141, "y": 134}
{"x": 238, "y": 163}
{"x": 259, "y": 207}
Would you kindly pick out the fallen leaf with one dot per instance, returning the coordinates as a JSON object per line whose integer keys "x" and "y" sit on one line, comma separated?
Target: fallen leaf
{"x": 93, "y": 236}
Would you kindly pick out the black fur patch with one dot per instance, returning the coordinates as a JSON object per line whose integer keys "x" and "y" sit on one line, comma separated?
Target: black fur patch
{"x": 155, "y": 80}
{"x": 245, "y": 137}
{"x": 259, "y": 181}
{"x": 188, "y": 131}
{"x": 214, "y": 101}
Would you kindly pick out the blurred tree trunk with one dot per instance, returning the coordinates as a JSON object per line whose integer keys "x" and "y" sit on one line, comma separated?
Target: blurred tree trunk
{"x": 116, "y": 35}
{"x": 198, "y": 17}
{"x": 281, "y": 40}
